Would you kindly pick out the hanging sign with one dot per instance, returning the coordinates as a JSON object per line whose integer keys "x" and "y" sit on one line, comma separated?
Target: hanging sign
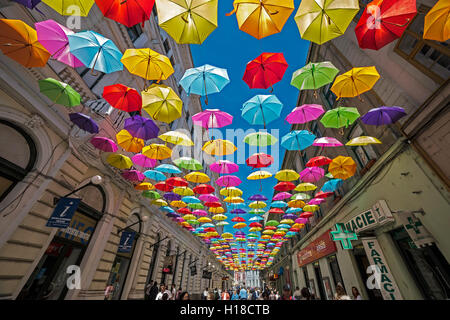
{"x": 416, "y": 230}
{"x": 168, "y": 264}
{"x": 382, "y": 276}
{"x": 193, "y": 270}
{"x": 63, "y": 213}
{"x": 206, "y": 274}
{"x": 344, "y": 236}
{"x": 126, "y": 241}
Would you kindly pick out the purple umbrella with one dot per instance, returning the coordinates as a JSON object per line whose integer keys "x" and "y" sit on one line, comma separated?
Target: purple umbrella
{"x": 133, "y": 175}
{"x": 239, "y": 233}
{"x": 173, "y": 215}
{"x": 312, "y": 174}
{"x": 104, "y": 144}
{"x": 224, "y": 167}
{"x": 30, "y": 4}
{"x": 282, "y": 196}
{"x": 289, "y": 216}
{"x": 305, "y": 113}
{"x": 258, "y": 197}
{"x": 171, "y": 196}
{"x": 238, "y": 211}
{"x": 383, "y": 115}
{"x": 143, "y": 161}
{"x": 84, "y": 122}
{"x": 142, "y": 128}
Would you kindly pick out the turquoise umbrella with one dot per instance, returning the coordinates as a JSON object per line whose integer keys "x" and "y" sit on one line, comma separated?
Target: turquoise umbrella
{"x": 332, "y": 185}
{"x": 294, "y": 210}
{"x": 190, "y": 199}
{"x": 278, "y": 204}
{"x": 155, "y": 175}
{"x": 95, "y": 51}
{"x": 166, "y": 209}
{"x": 168, "y": 168}
{"x": 298, "y": 140}
{"x": 261, "y": 109}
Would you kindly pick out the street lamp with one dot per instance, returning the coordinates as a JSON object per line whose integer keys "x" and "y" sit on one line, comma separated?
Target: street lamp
{"x": 95, "y": 180}
{"x": 144, "y": 219}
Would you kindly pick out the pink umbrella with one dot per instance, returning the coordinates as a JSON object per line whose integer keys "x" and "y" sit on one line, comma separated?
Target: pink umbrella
{"x": 327, "y": 142}
{"x": 53, "y": 37}
{"x": 305, "y": 113}
{"x": 104, "y": 144}
{"x": 143, "y": 161}
{"x": 208, "y": 198}
{"x": 133, "y": 175}
{"x": 316, "y": 201}
{"x": 212, "y": 118}
{"x": 200, "y": 213}
{"x": 228, "y": 181}
{"x": 282, "y": 196}
{"x": 224, "y": 167}
{"x": 301, "y": 220}
{"x": 312, "y": 174}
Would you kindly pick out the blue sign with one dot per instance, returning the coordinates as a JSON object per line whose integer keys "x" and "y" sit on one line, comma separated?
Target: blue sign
{"x": 126, "y": 241}
{"x": 63, "y": 213}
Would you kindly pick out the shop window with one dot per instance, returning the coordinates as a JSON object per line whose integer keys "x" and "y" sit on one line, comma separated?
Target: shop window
{"x": 134, "y": 32}
{"x": 335, "y": 270}
{"x": 16, "y": 162}
{"x": 430, "y": 57}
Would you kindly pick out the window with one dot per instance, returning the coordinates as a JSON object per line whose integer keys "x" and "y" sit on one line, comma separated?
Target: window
{"x": 329, "y": 96}
{"x": 166, "y": 45}
{"x": 91, "y": 78}
{"x": 362, "y": 7}
{"x": 430, "y": 57}
{"x": 172, "y": 61}
{"x": 134, "y": 32}
{"x": 363, "y": 153}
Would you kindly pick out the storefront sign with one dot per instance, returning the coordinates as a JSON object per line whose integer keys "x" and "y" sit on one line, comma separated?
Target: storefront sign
{"x": 387, "y": 284}
{"x": 378, "y": 215}
{"x": 126, "y": 241}
{"x": 317, "y": 249}
{"x": 80, "y": 229}
{"x": 416, "y": 230}
{"x": 63, "y": 213}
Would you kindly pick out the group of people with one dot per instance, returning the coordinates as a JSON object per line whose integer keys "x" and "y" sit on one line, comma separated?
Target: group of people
{"x": 152, "y": 292}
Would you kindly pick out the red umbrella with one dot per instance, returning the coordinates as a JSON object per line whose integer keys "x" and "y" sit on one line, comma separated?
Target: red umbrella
{"x": 238, "y": 219}
{"x": 255, "y": 225}
{"x": 318, "y": 161}
{"x": 265, "y": 71}
{"x": 323, "y": 195}
{"x": 276, "y": 211}
{"x": 212, "y": 204}
{"x": 126, "y": 12}
{"x": 163, "y": 186}
{"x": 270, "y": 228}
{"x": 184, "y": 211}
{"x": 284, "y": 186}
{"x": 122, "y": 97}
{"x": 306, "y": 214}
{"x": 260, "y": 160}
{"x": 204, "y": 189}
{"x": 383, "y": 21}
{"x": 177, "y": 182}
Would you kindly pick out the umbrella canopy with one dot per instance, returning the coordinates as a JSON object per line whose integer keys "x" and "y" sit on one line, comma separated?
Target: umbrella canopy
{"x": 19, "y": 42}
{"x": 437, "y": 23}
{"x": 318, "y": 161}
{"x": 305, "y": 113}
{"x": 383, "y": 115}
{"x": 261, "y": 139}
{"x": 104, "y": 144}
{"x": 162, "y": 103}
{"x": 53, "y": 37}
{"x": 231, "y": 192}
{"x": 130, "y": 143}
{"x": 322, "y": 20}
{"x": 84, "y": 122}
{"x": 342, "y": 167}
{"x": 145, "y": 186}
{"x": 258, "y": 197}
{"x": 312, "y": 174}
{"x": 383, "y": 21}
{"x": 208, "y": 198}
{"x": 122, "y": 97}
{"x": 162, "y": 186}
{"x": 332, "y": 185}
{"x": 339, "y": 117}
{"x": 188, "y": 21}
{"x": 95, "y": 51}
{"x": 188, "y": 163}
{"x": 59, "y": 92}
{"x": 171, "y": 196}
{"x": 155, "y": 175}
{"x": 266, "y": 70}
{"x": 119, "y": 161}
{"x": 327, "y": 142}
{"x": 143, "y": 161}
{"x": 147, "y": 64}
{"x": 129, "y": 12}
{"x": 30, "y": 4}
{"x": 301, "y": 196}
{"x": 238, "y": 211}
{"x": 177, "y": 138}
{"x": 142, "y": 128}
{"x": 204, "y": 189}
{"x": 133, "y": 175}
{"x": 157, "y": 151}
{"x": 316, "y": 201}
{"x": 297, "y": 140}
{"x": 260, "y": 160}
{"x": 212, "y": 118}
{"x": 284, "y": 186}
{"x": 362, "y": 141}
{"x": 262, "y": 18}
{"x": 228, "y": 181}
{"x": 177, "y": 182}
{"x": 281, "y": 196}
{"x": 65, "y": 7}
{"x": 296, "y": 203}
{"x": 305, "y": 186}
{"x": 219, "y": 147}
{"x": 197, "y": 177}
{"x": 278, "y": 204}
{"x": 314, "y": 75}
{"x": 261, "y": 109}
{"x": 355, "y": 82}
{"x": 184, "y": 191}
{"x": 257, "y": 205}
{"x": 286, "y": 175}
{"x": 224, "y": 167}
{"x": 168, "y": 168}
{"x": 259, "y": 175}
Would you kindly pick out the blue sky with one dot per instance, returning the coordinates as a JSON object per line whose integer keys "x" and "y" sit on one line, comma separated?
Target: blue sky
{"x": 228, "y": 47}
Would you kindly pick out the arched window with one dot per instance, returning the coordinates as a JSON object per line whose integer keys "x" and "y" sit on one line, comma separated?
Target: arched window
{"x": 17, "y": 156}
{"x": 169, "y": 246}
{"x": 154, "y": 257}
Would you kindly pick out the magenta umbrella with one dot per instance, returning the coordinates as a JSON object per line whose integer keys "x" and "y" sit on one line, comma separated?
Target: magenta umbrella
{"x": 312, "y": 174}
{"x": 224, "y": 167}
{"x": 104, "y": 144}
{"x": 208, "y": 198}
{"x": 327, "y": 142}
{"x": 305, "y": 113}
{"x": 200, "y": 213}
{"x": 316, "y": 201}
{"x": 212, "y": 118}
{"x": 133, "y": 175}
{"x": 282, "y": 196}
{"x": 228, "y": 181}
{"x": 53, "y": 37}
{"x": 301, "y": 220}
{"x": 143, "y": 161}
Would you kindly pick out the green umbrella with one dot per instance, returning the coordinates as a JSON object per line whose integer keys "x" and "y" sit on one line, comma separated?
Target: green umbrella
{"x": 272, "y": 223}
{"x": 340, "y": 117}
{"x": 314, "y": 75}
{"x": 301, "y": 196}
{"x": 59, "y": 92}
{"x": 192, "y": 222}
{"x": 196, "y": 206}
{"x": 329, "y": 175}
{"x": 257, "y": 211}
{"x": 151, "y": 194}
{"x": 188, "y": 163}
{"x": 261, "y": 139}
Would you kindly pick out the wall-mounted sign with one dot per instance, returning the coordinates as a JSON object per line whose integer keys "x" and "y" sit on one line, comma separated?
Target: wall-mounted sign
{"x": 416, "y": 230}
{"x": 168, "y": 264}
{"x": 126, "y": 241}
{"x": 193, "y": 270}
{"x": 378, "y": 215}
{"x": 79, "y": 230}
{"x": 317, "y": 249}
{"x": 344, "y": 236}
{"x": 63, "y": 213}
{"x": 206, "y": 274}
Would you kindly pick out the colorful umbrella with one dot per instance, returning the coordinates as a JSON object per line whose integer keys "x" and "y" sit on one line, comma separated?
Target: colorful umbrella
{"x": 30, "y": 4}
{"x": 281, "y": 196}
{"x": 188, "y": 163}
{"x": 383, "y": 115}
{"x": 212, "y": 118}
{"x": 119, "y": 161}
{"x": 162, "y": 103}
{"x": 177, "y": 138}
{"x": 257, "y": 205}
{"x": 306, "y": 186}
{"x": 147, "y": 64}
{"x": 145, "y": 186}
{"x": 264, "y": 71}
{"x": 342, "y": 167}
{"x": 59, "y": 92}
{"x": 84, "y": 122}
{"x": 204, "y": 80}
{"x": 104, "y": 144}
{"x": 231, "y": 192}
{"x": 259, "y": 175}
{"x": 314, "y": 76}
{"x": 284, "y": 186}
{"x": 208, "y": 198}
{"x": 19, "y": 42}
{"x": 168, "y": 168}
{"x": 327, "y": 142}
{"x": 204, "y": 189}
{"x": 157, "y": 151}
{"x": 260, "y": 160}
{"x": 183, "y": 191}
{"x": 312, "y": 174}
{"x": 339, "y": 117}
{"x": 355, "y": 82}
{"x": 143, "y": 161}
{"x": 128, "y": 12}
{"x": 219, "y": 147}
{"x": 177, "y": 182}
{"x": 301, "y": 196}
{"x": 305, "y": 113}
{"x": 286, "y": 175}
{"x": 142, "y": 128}
{"x": 188, "y": 21}
{"x": 322, "y": 20}
{"x": 66, "y": 7}
{"x": 224, "y": 167}
{"x": 133, "y": 175}
{"x": 197, "y": 177}
{"x": 122, "y": 97}
{"x": 228, "y": 181}
{"x": 130, "y": 143}
{"x": 261, "y": 109}
{"x": 95, "y": 51}
{"x": 262, "y": 18}
{"x": 437, "y": 22}
{"x": 362, "y": 141}
{"x": 155, "y": 175}
{"x": 297, "y": 140}
{"x": 318, "y": 161}
{"x": 332, "y": 185}
{"x": 262, "y": 139}
{"x": 278, "y": 204}
{"x": 316, "y": 201}
{"x": 162, "y": 186}
{"x": 53, "y": 37}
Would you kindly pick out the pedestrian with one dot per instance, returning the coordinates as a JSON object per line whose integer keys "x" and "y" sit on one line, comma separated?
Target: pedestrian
{"x": 297, "y": 293}
{"x": 235, "y": 295}
{"x": 272, "y": 295}
{"x": 178, "y": 293}
{"x": 356, "y": 295}
{"x": 211, "y": 296}
{"x": 165, "y": 296}
{"x": 153, "y": 291}
{"x": 243, "y": 294}
{"x": 286, "y": 294}
{"x": 340, "y": 293}
{"x": 216, "y": 294}
{"x": 277, "y": 296}
{"x": 305, "y": 294}
{"x": 254, "y": 295}
{"x": 148, "y": 288}
{"x": 163, "y": 291}
{"x": 183, "y": 296}
{"x": 225, "y": 295}
{"x": 173, "y": 292}
{"x": 205, "y": 294}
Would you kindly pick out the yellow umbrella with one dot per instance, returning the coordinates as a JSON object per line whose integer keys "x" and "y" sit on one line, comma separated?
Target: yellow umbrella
{"x": 189, "y": 217}
{"x": 298, "y": 225}
{"x": 268, "y": 232}
{"x": 79, "y": 8}
{"x": 219, "y": 217}
{"x": 322, "y": 20}
{"x": 231, "y": 192}
{"x": 437, "y": 22}
{"x": 197, "y": 177}
{"x": 296, "y": 204}
{"x": 177, "y": 138}
{"x": 227, "y": 235}
{"x": 128, "y": 142}
{"x": 355, "y": 82}
{"x": 261, "y": 18}
{"x": 310, "y": 208}
{"x": 159, "y": 202}
{"x": 144, "y": 186}
{"x": 304, "y": 187}
{"x": 178, "y": 204}
{"x": 342, "y": 167}
{"x": 188, "y": 21}
{"x": 257, "y": 205}
{"x": 255, "y": 229}
{"x": 239, "y": 225}
{"x": 219, "y": 147}
{"x": 233, "y": 200}
{"x": 362, "y": 141}
{"x": 216, "y": 210}
{"x": 157, "y": 151}
{"x": 162, "y": 103}
{"x": 119, "y": 161}
{"x": 183, "y": 191}
{"x": 204, "y": 220}
{"x": 147, "y": 64}
{"x": 287, "y": 221}
{"x": 258, "y": 175}
{"x": 287, "y": 175}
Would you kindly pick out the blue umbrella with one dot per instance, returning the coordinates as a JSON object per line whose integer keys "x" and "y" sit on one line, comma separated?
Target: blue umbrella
{"x": 283, "y": 226}
{"x": 167, "y": 209}
{"x": 168, "y": 168}
{"x": 142, "y": 128}
{"x": 332, "y": 185}
{"x": 294, "y": 210}
{"x": 155, "y": 175}
{"x": 203, "y": 80}
{"x": 298, "y": 140}
{"x": 95, "y": 51}
{"x": 278, "y": 204}
{"x": 237, "y": 206}
{"x": 208, "y": 225}
{"x": 190, "y": 199}
{"x": 261, "y": 109}
{"x": 256, "y": 218}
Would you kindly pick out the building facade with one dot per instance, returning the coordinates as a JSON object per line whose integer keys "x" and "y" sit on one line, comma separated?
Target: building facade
{"x": 398, "y": 200}
{"x": 44, "y": 157}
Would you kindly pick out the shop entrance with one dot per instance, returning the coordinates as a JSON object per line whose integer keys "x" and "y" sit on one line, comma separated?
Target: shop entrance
{"x": 319, "y": 279}
{"x": 363, "y": 263}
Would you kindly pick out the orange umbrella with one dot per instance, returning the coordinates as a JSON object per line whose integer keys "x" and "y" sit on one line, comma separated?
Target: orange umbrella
{"x": 19, "y": 42}
{"x": 342, "y": 167}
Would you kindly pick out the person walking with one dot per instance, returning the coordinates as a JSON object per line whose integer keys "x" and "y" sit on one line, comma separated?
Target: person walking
{"x": 216, "y": 294}
{"x": 178, "y": 293}
{"x": 297, "y": 293}
{"x": 153, "y": 291}
{"x": 272, "y": 295}
{"x": 173, "y": 292}
{"x": 225, "y": 295}
{"x": 305, "y": 294}
{"x": 356, "y": 294}
{"x": 148, "y": 288}
{"x": 277, "y": 296}
{"x": 243, "y": 294}
{"x": 340, "y": 293}
{"x": 286, "y": 294}
{"x": 163, "y": 293}
{"x": 184, "y": 296}
{"x": 205, "y": 294}
{"x": 235, "y": 295}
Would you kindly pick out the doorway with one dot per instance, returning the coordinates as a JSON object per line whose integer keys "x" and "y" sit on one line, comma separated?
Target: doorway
{"x": 319, "y": 279}
{"x": 362, "y": 263}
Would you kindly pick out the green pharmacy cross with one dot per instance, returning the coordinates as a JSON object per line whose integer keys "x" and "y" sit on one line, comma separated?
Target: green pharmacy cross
{"x": 343, "y": 235}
